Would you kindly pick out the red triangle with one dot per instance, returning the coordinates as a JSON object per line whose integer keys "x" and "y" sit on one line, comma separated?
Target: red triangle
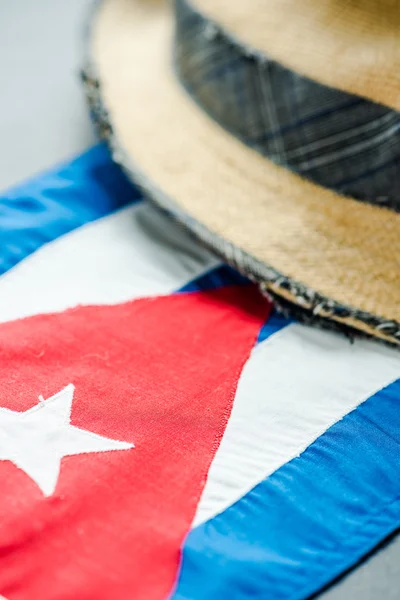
{"x": 160, "y": 373}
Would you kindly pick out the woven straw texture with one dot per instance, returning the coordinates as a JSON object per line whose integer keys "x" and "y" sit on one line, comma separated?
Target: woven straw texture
{"x": 352, "y": 45}
{"x": 337, "y": 139}
{"x": 343, "y": 249}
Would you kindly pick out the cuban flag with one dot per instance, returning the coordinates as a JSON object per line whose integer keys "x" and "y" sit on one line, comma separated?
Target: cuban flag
{"x": 164, "y": 433}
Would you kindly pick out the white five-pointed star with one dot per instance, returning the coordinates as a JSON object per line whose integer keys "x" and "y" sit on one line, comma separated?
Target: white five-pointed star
{"x": 36, "y": 440}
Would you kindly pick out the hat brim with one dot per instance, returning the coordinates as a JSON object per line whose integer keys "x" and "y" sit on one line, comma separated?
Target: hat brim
{"x": 329, "y": 255}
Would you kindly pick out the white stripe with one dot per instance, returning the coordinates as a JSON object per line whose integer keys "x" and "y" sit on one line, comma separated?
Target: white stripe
{"x": 342, "y": 135}
{"x": 294, "y": 386}
{"x": 135, "y": 252}
{"x": 349, "y": 150}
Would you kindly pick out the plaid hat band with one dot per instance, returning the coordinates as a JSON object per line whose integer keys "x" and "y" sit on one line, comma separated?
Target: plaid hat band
{"x": 305, "y": 87}
{"x": 336, "y": 139}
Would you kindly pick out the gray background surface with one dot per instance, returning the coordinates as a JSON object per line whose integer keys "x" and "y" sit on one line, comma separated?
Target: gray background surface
{"x": 43, "y": 120}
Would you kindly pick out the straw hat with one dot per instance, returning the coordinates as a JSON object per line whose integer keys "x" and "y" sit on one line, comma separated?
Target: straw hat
{"x": 270, "y": 128}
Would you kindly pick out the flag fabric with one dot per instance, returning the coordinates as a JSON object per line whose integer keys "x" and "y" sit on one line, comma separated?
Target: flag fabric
{"x": 164, "y": 433}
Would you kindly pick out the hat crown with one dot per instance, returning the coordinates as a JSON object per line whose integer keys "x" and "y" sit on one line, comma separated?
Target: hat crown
{"x": 337, "y": 139}
{"x": 319, "y": 253}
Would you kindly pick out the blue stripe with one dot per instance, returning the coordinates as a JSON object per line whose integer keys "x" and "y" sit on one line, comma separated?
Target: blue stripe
{"x": 223, "y": 275}
{"x": 68, "y": 196}
{"x": 392, "y": 162}
{"x": 278, "y": 541}
{"x": 328, "y": 112}
{"x": 221, "y": 70}
{"x": 274, "y": 324}
{"x": 53, "y": 203}
{"x": 311, "y": 520}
